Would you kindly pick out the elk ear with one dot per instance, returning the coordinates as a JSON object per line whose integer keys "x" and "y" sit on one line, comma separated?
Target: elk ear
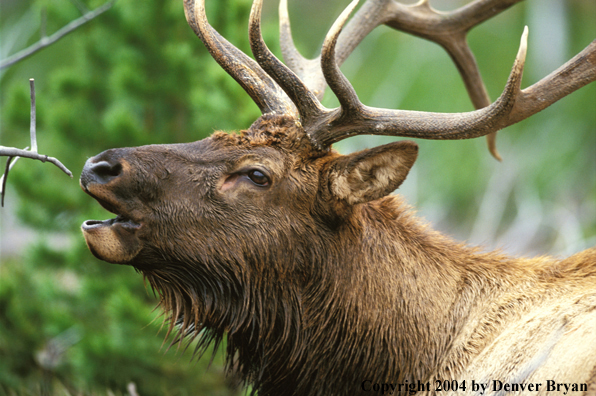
{"x": 373, "y": 173}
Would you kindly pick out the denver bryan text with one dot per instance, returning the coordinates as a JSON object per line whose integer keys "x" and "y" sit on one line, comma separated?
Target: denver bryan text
{"x": 549, "y": 386}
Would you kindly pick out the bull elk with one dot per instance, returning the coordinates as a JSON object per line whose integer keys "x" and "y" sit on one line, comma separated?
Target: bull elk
{"x": 321, "y": 281}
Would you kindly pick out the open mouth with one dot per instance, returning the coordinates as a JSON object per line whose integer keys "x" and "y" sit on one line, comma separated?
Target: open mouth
{"x": 120, "y": 220}
{"x": 114, "y": 240}
{"x": 117, "y": 240}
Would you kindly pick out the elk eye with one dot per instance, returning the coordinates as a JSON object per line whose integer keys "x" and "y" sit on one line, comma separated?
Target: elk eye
{"x": 258, "y": 177}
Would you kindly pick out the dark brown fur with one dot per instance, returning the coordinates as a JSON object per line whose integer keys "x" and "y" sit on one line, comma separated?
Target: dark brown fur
{"x": 315, "y": 294}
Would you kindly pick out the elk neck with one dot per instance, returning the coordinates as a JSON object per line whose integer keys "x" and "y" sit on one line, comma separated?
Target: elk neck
{"x": 381, "y": 296}
{"x": 401, "y": 298}
{"x": 447, "y": 301}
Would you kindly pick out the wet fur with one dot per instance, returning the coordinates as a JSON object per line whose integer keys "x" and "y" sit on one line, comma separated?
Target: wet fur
{"x": 315, "y": 294}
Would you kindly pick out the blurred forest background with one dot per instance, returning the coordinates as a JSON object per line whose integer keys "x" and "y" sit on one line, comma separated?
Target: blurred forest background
{"x": 71, "y": 324}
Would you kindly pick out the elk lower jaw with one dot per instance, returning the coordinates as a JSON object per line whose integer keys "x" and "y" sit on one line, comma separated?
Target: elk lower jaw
{"x": 114, "y": 240}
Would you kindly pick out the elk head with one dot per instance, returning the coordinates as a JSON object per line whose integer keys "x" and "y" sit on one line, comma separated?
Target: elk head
{"x": 242, "y": 231}
{"x": 146, "y": 186}
{"x": 228, "y": 188}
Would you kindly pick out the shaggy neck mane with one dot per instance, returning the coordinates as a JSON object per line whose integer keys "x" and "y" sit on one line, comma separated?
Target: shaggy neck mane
{"x": 398, "y": 297}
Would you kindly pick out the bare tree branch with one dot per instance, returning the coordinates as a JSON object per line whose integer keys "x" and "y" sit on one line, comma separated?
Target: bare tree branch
{"x": 48, "y": 40}
{"x": 4, "y": 178}
{"x": 12, "y": 152}
{"x": 33, "y": 123}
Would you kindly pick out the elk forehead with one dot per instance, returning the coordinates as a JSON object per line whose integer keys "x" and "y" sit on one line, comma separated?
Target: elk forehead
{"x": 278, "y": 131}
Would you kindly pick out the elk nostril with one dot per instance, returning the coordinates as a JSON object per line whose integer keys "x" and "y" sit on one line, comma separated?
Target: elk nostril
{"x": 104, "y": 171}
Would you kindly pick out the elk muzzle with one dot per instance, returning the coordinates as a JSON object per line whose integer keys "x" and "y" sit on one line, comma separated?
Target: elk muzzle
{"x": 116, "y": 240}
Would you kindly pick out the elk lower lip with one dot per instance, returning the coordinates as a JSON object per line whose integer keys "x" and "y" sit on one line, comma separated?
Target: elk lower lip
{"x": 120, "y": 220}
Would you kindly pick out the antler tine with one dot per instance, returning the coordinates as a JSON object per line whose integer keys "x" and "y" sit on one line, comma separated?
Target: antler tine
{"x": 308, "y": 70}
{"x": 338, "y": 83}
{"x": 416, "y": 124}
{"x": 576, "y": 73}
{"x": 308, "y": 105}
{"x": 260, "y": 87}
{"x": 368, "y": 17}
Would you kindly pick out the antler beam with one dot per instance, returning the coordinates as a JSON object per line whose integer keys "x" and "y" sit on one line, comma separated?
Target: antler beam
{"x": 357, "y": 119}
{"x": 576, "y": 73}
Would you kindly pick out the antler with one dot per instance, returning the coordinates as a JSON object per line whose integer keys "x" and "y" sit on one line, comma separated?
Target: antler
{"x": 304, "y": 80}
{"x": 446, "y": 29}
{"x": 260, "y": 87}
{"x": 308, "y": 105}
{"x": 356, "y": 118}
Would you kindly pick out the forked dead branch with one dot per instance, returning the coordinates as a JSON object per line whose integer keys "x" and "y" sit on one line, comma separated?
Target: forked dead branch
{"x": 322, "y": 281}
{"x": 14, "y": 153}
